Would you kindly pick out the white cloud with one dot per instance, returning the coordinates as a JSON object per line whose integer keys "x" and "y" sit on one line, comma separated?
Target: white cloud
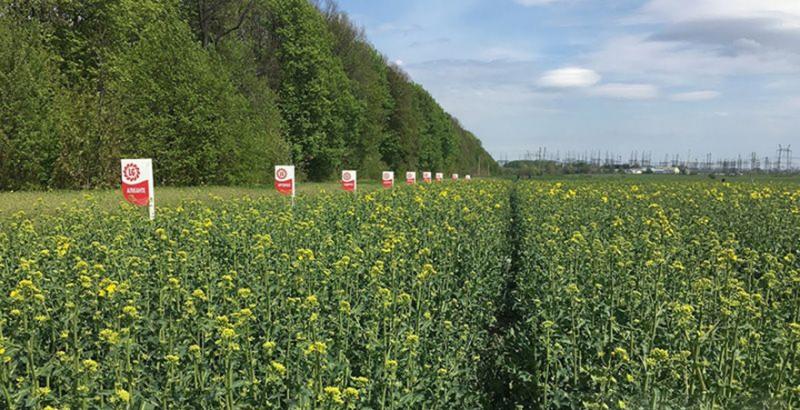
{"x": 695, "y": 96}
{"x": 505, "y": 53}
{"x": 398, "y": 63}
{"x": 701, "y": 41}
{"x": 785, "y": 12}
{"x": 626, "y": 91}
{"x": 533, "y": 3}
{"x": 681, "y": 63}
{"x": 569, "y": 77}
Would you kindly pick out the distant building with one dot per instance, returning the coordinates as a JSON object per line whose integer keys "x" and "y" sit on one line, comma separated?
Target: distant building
{"x": 659, "y": 171}
{"x": 667, "y": 171}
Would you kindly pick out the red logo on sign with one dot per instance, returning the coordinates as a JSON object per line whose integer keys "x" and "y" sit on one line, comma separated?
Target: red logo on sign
{"x": 348, "y": 182}
{"x": 131, "y": 172}
{"x": 281, "y": 173}
{"x": 137, "y": 194}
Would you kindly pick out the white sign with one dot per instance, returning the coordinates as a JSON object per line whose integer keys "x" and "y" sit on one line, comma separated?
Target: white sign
{"x": 137, "y": 183}
{"x": 387, "y": 179}
{"x": 284, "y": 179}
{"x": 349, "y": 181}
{"x": 426, "y": 177}
{"x": 411, "y": 177}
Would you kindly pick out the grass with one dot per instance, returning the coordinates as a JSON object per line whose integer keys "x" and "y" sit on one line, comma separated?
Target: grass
{"x": 44, "y": 202}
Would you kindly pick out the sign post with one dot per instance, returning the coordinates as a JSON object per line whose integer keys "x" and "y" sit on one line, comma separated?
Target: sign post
{"x": 426, "y": 177}
{"x": 284, "y": 180}
{"x": 137, "y": 183}
{"x": 349, "y": 181}
{"x": 455, "y": 177}
{"x": 439, "y": 177}
{"x": 411, "y": 177}
{"x": 387, "y": 179}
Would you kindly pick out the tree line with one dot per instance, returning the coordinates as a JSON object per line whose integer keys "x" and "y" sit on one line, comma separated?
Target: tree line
{"x": 215, "y": 91}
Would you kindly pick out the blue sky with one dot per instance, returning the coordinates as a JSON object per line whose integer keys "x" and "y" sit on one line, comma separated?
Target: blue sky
{"x": 667, "y": 76}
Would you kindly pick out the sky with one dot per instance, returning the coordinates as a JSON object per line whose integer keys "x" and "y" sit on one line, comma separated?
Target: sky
{"x": 685, "y": 77}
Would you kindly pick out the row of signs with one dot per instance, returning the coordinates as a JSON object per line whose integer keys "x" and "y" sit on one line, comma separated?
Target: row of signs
{"x": 285, "y": 180}
{"x": 411, "y": 177}
{"x": 137, "y": 181}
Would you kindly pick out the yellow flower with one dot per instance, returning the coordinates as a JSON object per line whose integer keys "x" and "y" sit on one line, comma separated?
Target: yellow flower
{"x": 360, "y": 380}
{"x": 130, "y": 311}
{"x": 659, "y": 354}
{"x": 110, "y": 336}
{"x": 228, "y": 333}
{"x": 572, "y": 289}
{"x": 278, "y": 367}
{"x": 199, "y": 294}
{"x": 194, "y": 349}
{"x": 344, "y": 307}
{"x": 311, "y": 301}
{"x": 620, "y": 353}
{"x": 90, "y": 365}
{"x": 111, "y": 289}
{"x": 171, "y": 358}
{"x": 316, "y": 347}
{"x": 269, "y": 346}
{"x": 351, "y": 393}
{"x": 334, "y": 394}
{"x": 123, "y": 395}
{"x": 427, "y": 271}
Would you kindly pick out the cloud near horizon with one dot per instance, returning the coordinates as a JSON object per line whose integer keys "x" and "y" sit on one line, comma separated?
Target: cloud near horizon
{"x": 695, "y": 96}
{"x": 533, "y": 3}
{"x": 626, "y": 91}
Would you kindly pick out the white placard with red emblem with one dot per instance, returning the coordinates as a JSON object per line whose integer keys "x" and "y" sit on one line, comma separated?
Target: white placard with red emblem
{"x": 439, "y": 177}
{"x": 387, "y": 179}
{"x": 454, "y": 177}
{"x": 284, "y": 179}
{"x": 468, "y": 177}
{"x": 137, "y": 183}
{"x": 349, "y": 181}
{"x": 426, "y": 177}
{"x": 411, "y": 177}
